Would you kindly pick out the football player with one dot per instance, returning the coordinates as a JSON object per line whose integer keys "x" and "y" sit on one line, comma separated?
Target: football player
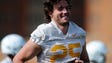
{"x": 59, "y": 41}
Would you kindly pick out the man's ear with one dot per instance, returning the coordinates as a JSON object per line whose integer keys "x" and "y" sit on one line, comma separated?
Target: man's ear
{"x": 50, "y": 14}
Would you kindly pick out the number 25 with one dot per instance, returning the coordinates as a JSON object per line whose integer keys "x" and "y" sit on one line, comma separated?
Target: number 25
{"x": 65, "y": 50}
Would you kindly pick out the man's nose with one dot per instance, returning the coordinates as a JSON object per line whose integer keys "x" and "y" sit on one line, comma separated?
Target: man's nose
{"x": 65, "y": 10}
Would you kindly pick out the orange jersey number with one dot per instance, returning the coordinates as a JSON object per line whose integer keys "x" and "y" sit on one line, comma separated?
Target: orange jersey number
{"x": 65, "y": 51}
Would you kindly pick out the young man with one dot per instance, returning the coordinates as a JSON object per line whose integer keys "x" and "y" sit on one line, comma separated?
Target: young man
{"x": 10, "y": 45}
{"x": 59, "y": 41}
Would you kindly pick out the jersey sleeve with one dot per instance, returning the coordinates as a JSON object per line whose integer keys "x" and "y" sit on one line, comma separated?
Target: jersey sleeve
{"x": 37, "y": 35}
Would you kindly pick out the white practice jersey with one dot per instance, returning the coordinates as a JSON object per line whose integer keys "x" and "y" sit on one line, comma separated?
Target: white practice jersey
{"x": 6, "y": 60}
{"x": 58, "y": 47}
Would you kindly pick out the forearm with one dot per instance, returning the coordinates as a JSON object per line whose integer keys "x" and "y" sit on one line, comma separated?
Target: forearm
{"x": 27, "y": 52}
{"x": 20, "y": 58}
{"x": 17, "y": 60}
{"x": 84, "y": 55}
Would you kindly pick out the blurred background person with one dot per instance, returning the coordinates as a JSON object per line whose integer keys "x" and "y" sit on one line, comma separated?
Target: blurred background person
{"x": 10, "y": 45}
{"x": 97, "y": 51}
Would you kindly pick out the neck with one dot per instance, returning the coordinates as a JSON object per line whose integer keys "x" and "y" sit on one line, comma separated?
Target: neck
{"x": 63, "y": 27}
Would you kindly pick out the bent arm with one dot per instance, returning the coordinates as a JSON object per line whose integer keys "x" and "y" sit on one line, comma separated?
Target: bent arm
{"x": 84, "y": 55}
{"x": 29, "y": 50}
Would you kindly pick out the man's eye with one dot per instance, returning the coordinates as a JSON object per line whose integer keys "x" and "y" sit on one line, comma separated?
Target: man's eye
{"x": 68, "y": 7}
{"x": 60, "y": 8}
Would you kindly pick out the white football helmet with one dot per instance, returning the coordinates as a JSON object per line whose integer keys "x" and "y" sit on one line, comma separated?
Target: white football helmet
{"x": 97, "y": 51}
{"x": 11, "y": 44}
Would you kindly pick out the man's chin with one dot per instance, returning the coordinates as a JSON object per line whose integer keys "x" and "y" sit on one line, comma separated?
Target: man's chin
{"x": 65, "y": 23}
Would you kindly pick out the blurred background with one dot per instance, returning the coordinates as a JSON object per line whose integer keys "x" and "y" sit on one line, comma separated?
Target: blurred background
{"x": 23, "y": 16}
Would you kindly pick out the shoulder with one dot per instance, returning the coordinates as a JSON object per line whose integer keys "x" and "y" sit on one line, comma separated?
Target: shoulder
{"x": 44, "y": 26}
{"x": 77, "y": 28}
{"x": 43, "y": 29}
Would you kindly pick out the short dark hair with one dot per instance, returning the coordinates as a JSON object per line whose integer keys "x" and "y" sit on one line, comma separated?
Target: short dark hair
{"x": 48, "y": 7}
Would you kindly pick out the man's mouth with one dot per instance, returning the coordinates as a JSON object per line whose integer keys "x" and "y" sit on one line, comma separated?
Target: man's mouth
{"x": 64, "y": 16}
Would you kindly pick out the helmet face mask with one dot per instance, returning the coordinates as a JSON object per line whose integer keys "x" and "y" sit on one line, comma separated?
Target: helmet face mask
{"x": 11, "y": 44}
{"x": 96, "y": 51}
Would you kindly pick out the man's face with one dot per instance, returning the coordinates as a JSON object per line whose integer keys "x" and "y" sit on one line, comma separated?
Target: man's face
{"x": 61, "y": 12}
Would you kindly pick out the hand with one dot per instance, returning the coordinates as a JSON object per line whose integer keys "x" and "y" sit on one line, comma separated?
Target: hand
{"x": 74, "y": 60}
{"x": 78, "y": 61}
